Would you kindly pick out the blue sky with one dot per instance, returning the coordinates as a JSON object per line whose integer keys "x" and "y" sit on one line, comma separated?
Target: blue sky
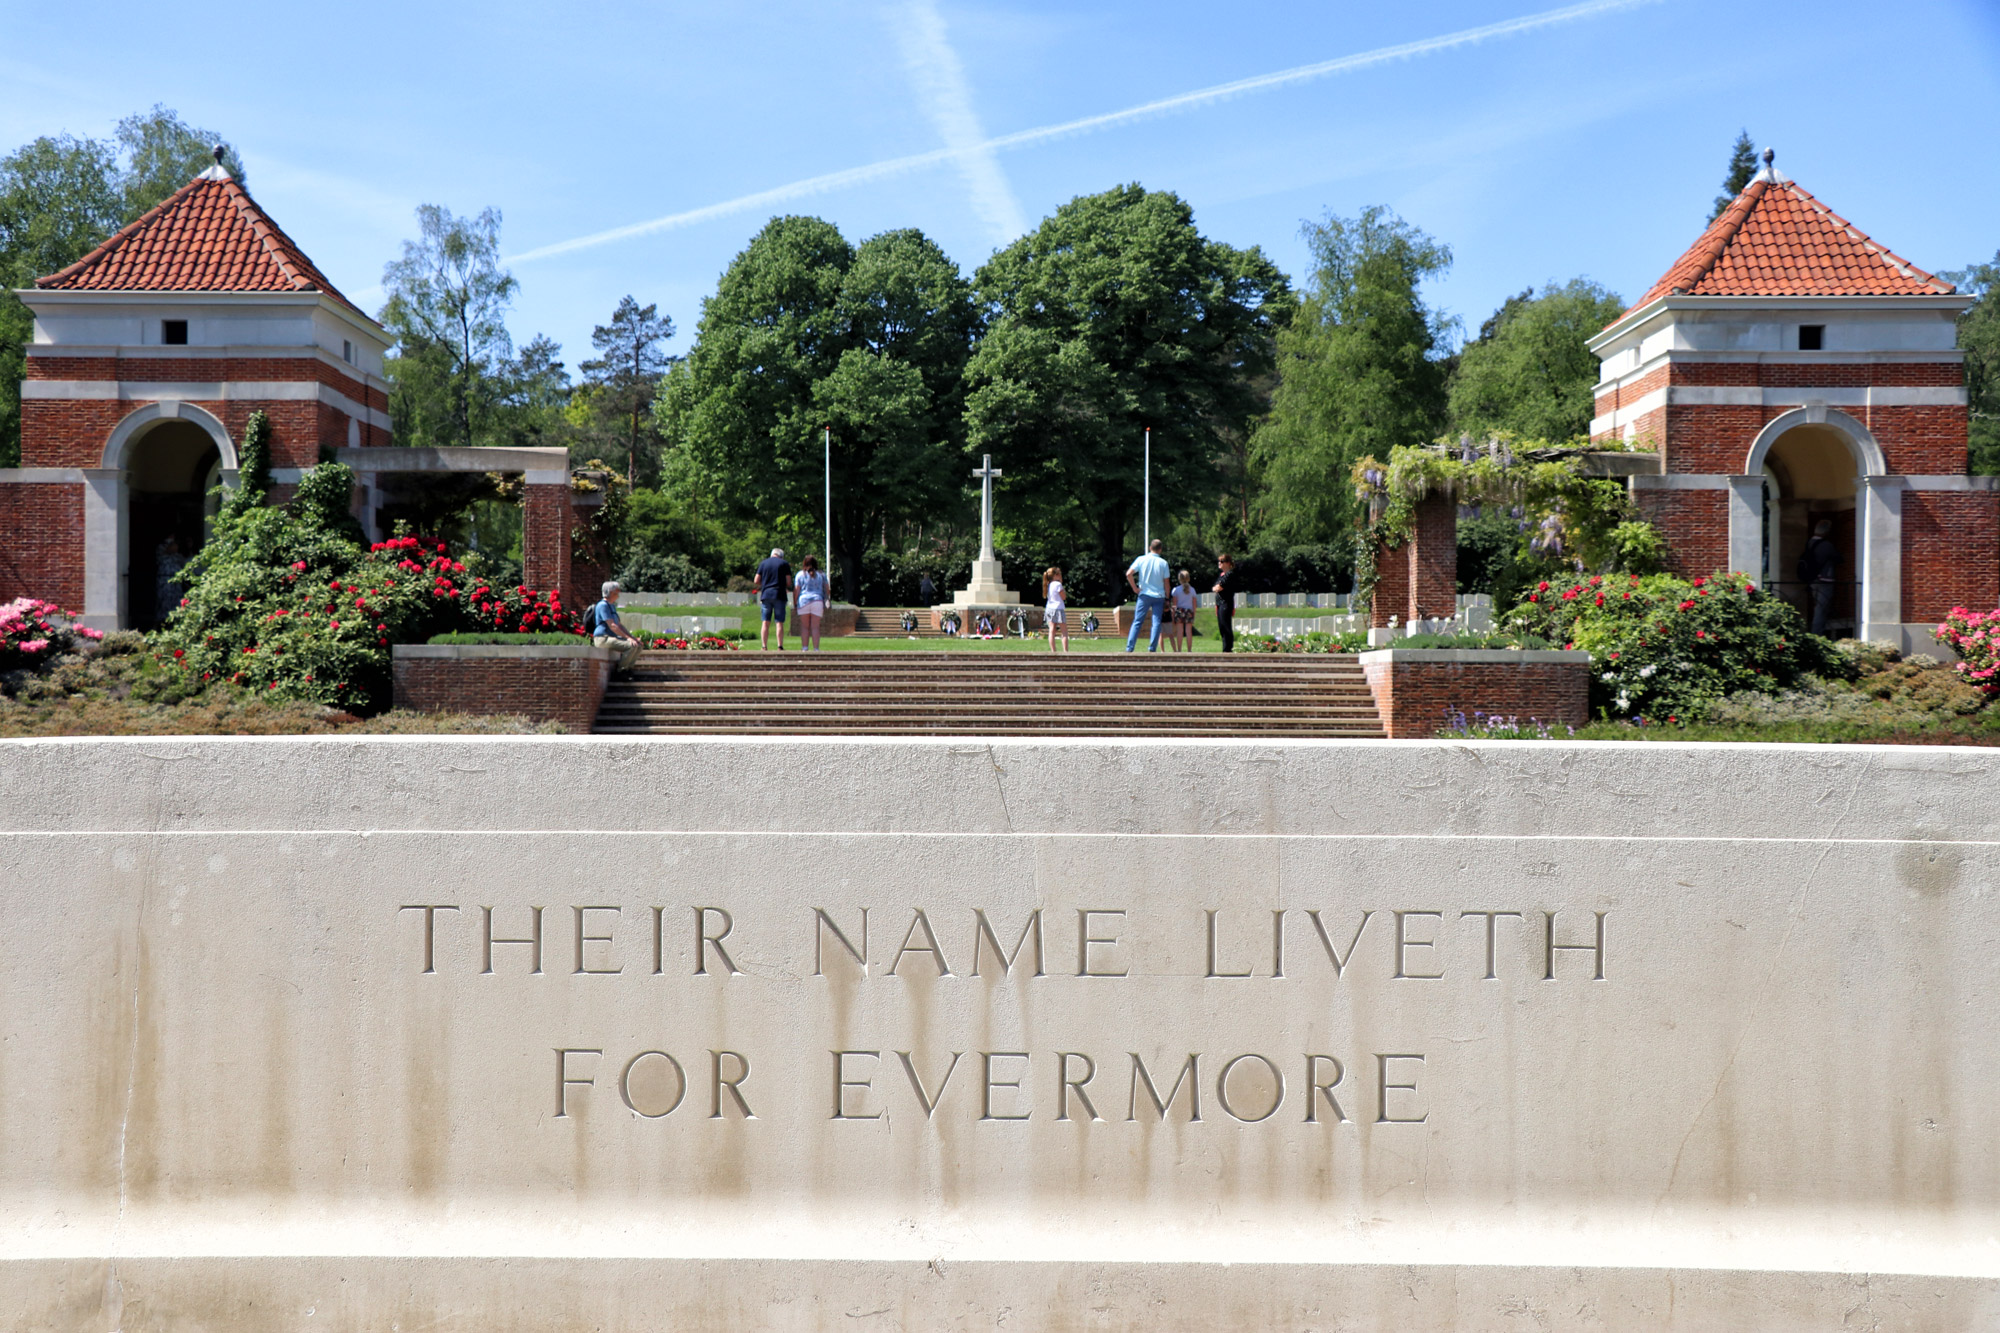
{"x": 1589, "y": 143}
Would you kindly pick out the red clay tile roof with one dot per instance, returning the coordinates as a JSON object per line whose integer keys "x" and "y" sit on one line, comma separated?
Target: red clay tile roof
{"x": 208, "y": 236}
{"x": 1777, "y": 240}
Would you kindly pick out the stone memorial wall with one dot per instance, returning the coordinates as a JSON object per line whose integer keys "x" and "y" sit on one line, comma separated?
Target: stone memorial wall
{"x": 562, "y": 1033}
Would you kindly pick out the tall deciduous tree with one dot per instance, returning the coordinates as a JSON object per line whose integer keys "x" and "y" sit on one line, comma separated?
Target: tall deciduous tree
{"x": 1979, "y": 336}
{"x": 447, "y": 308}
{"x": 1530, "y": 371}
{"x": 805, "y": 332}
{"x": 627, "y": 371}
{"x": 1359, "y": 369}
{"x": 1114, "y": 315}
{"x": 1742, "y": 166}
{"x": 163, "y": 153}
{"x": 58, "y": 199}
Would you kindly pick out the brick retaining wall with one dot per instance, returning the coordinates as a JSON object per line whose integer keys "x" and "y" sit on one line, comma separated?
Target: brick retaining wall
{"x": 549, "y": 683}
{"x": 1414, "y": 686}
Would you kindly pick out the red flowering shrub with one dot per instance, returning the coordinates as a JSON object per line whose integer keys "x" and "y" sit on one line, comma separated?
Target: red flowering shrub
{"x": 289, "y": 602}
{"x": 1975, "y": 637}
{"x": 33, "y": 633}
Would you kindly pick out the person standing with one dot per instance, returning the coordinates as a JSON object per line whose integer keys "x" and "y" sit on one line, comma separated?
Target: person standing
{"x": 608, "y": 631}
{"x": 926, "y": 590}
{"x": 1147, "y": 577}
{"x": 168, "y": 562}
{"x": 1055, "y": 606}
{"x": 1185, "y": 600}
{"x": 1225, "y": 601}
{"x": 810, "y": 589}
{"x": 1816, "y": 567}
{"x": 774, "y": 589}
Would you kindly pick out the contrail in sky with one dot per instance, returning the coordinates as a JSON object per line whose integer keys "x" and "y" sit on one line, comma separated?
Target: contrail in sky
{"x": 1166, "y": 106}
{"x": 946, "y": 95}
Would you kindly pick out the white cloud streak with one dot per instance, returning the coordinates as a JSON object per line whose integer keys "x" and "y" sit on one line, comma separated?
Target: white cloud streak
{"x": 1166, "y": 106}
{"x": 938, "y": 78}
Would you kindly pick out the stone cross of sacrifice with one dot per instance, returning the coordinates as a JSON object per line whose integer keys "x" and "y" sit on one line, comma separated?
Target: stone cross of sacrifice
{"x": 986, "y": 474}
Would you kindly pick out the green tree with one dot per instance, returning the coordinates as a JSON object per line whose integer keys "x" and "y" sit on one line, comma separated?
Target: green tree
{"x": 627, "y": 371}
{"x": 805, "y": 332}
{"x": 1979, "y": 337}
{"x": 58, "y": 199}
{"x": 1112, "y": 316}
{"x": 1742, "y": 166}
{"x": 447, "y": 308}
{"x": 163, "y": 153}
{"x": 1530, "y": 371}
{"x": 1359, "y": 370}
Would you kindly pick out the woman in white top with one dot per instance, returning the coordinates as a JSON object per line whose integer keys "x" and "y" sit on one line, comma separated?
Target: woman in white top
{"x": 1185, "y": 600}
{"x": 1055, "y": 606}
{"x": 811, "y": 586}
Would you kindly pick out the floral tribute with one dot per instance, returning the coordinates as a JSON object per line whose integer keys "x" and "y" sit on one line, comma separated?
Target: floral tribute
{"x": 34, "y": 633}
{"x": 706, "y": 643}
{"x": 1666, "y": 647}
{"x": 1975, "y": 637}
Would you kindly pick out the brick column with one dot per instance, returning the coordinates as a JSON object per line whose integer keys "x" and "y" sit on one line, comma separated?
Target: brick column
{"x": 1392, "y": 585}
{"x": 1433, "y": 553}
{"x": 545, "y": 523}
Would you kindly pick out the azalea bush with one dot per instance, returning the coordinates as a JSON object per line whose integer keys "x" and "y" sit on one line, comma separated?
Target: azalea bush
{"x": 1667, "y": 648}
{"x": 34, "y": 633}
{"x": 1975, "y": 637}
{"x": 289, "y": 601}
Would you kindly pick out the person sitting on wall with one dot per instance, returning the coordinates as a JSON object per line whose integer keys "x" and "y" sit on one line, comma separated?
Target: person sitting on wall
{"x": 608, "y": 631}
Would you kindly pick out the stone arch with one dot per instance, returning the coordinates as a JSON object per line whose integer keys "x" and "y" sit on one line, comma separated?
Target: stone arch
{"x": 118, "y": 449}
{"x": 1860, "y": 441}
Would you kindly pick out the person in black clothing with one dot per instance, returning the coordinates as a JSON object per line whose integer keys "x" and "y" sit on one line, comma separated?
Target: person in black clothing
{"x": 1816, "y": 568}
{"x": 1225, "y": 601}
{"x": 926, "y": 590}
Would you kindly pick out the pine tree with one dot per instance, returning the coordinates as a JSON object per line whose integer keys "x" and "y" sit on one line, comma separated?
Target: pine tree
{"x": 1742, "y": 166}
{"x": 627, "y": 373}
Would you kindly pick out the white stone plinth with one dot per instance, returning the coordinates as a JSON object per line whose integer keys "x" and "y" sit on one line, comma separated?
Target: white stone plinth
{"x": 987, "y": 589}
{"x": 800, "y": 1034}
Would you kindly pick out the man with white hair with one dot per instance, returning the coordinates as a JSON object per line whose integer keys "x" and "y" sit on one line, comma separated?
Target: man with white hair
{"x": 608, "y": 631}
{"x": 774, "y": 593}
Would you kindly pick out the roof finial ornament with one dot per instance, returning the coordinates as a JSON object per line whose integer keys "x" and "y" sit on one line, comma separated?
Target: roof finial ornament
{"x": 222, "y": 148}
{"x": 1770, "y": 155}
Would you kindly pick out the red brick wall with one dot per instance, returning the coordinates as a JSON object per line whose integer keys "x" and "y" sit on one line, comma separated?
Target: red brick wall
{"x": 548, "y": 689}
{"x": 204, "y": 370}
{"x": 1413, "y": 696}
{"x": 57, "y": 432}
{"x": 41, "y": 542}
{"x": 545, "y": 525}
{"x": 1695, "y": 524}
{"x": 1951, "y": 552}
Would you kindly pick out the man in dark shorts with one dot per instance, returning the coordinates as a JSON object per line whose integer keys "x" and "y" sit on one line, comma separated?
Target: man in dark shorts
{"x": 1225, "y": 601}
{"x": 774, "y": 593}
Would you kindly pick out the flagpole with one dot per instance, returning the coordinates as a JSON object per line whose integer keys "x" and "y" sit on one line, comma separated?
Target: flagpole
{"x": 826, "y": 439}
{"x": 1148, "y": 542}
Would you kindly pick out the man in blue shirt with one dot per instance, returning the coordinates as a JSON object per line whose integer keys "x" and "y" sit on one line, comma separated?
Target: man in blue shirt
{"x": 774, "y": 591}
{"x": 608, "y": 631}
{"x": 1148, "y": 579}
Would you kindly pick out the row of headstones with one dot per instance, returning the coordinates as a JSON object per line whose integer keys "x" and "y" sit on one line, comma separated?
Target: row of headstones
{"x": 1474, "y": 615}
{"x": 1251, "y": 601}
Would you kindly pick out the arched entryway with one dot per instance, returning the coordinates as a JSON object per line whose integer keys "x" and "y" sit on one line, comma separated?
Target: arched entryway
{"x": 1811, "y": 466}
{"x": 170, "y": 457}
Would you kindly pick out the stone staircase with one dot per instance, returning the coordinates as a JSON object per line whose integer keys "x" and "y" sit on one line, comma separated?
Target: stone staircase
{"x": 970, "y": 693}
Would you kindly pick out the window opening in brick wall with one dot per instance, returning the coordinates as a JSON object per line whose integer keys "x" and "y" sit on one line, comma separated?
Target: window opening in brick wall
{"x": 174, "y": 332}
{"x": 347, "y": 351}
{"x": 1812, "y": 337}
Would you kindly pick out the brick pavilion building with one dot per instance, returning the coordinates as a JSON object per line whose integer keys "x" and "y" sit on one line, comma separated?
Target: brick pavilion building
{"x": 1789, "y": 369}
{"x": 148, "y": 357}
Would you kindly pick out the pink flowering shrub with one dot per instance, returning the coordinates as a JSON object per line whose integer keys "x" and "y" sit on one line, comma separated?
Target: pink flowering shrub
{"x": 1975, "y": 637}
{"x": 33, "y": 633}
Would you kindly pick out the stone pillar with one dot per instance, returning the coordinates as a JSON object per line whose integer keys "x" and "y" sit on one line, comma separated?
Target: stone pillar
{"x": 545, "y": 523}
{"x": 1746, "y": 526}
{"x": 105, "y": 559}
{"x": 1880, "y": 562}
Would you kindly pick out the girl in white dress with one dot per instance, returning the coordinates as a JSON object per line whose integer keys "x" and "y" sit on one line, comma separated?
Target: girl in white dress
{"x": 1055, "y": 607}
{"x": 1185, "y": 600}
